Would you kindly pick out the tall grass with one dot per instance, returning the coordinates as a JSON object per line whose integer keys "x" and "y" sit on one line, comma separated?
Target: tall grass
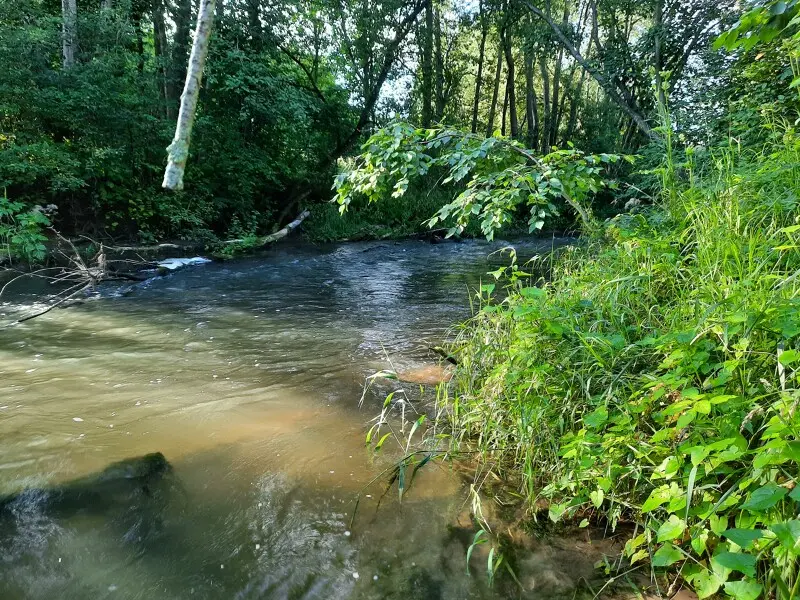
{"x": 653, "y": 379}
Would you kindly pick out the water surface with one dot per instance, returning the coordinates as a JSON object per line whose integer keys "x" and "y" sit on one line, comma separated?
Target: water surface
{"x": 246, "y": 375}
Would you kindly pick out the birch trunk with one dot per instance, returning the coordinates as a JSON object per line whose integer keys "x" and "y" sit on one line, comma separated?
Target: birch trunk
{"x": 179, "y": 148}
{"x": 69, "y": 31}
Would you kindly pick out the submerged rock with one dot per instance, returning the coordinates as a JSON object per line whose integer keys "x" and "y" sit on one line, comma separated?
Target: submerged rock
{"x": 426, "y": 374}
{"x": 121, "y": 479}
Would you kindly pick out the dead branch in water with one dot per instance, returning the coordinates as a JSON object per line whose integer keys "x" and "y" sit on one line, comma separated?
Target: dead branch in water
{"x": 77, "y": 276}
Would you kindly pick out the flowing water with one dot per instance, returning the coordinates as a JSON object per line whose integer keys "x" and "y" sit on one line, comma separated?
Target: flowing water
{"x": 246, "y": 376}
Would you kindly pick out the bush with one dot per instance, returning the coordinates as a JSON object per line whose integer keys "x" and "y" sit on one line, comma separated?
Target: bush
{"x": 21, "y": 231}
{"x": 654, "y": 379}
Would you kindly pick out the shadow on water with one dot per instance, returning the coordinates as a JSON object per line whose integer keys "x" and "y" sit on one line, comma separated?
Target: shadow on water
{"x": 246, "y": 376}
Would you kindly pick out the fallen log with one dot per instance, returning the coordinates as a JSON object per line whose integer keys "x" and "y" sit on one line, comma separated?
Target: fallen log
{"x": 274, "y": 237}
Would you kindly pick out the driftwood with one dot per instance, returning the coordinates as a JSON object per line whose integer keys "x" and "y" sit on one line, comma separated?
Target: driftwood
{"x": 274, "y": 237}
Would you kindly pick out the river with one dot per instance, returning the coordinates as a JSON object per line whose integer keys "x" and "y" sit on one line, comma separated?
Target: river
{"x": 246, "y": 375}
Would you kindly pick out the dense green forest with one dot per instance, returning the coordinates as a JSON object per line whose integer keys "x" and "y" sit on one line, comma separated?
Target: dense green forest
{"x": 90, "y": 94}
{"x": 645, "y": 376}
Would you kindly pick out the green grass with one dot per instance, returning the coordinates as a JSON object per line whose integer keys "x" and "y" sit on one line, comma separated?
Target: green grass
{"x": 652, "y": 380}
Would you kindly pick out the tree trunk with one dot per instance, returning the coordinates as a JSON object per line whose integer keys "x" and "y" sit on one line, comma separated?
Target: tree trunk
{"x": 658, "y": 25}
{"x": 69, "y": 31}
{"x": 554, "y": 116}
{"x": 427, "y": 66}
{"x": 604, "y": 83}
{"x": 180, "y": 46}
{"x": 546, "y": 116}
{"x": 511, "y": 85}
{"x": 439, "y": 92}
{"x": 505, "y": 111}
{"x": 493, "y": 105}
{"x": 136, "y": 21}
{"x": 531, "y": 108}
{"x": 179, "y": 149}
{"x": 161, "y": 51}
{"x": 254, "y": 23}
{"x": 479, "y": 78}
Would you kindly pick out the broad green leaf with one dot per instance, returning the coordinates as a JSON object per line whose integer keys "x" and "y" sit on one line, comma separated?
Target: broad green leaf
{"x": 667, "y": 555}
{"x": 788, "y": 534}
{"x": 556, "y": 511}
{"x": 699, "y": 543}
{"x": 744, "y": 589}
{"x": 671, "y": 529}
{"x": 765, "y": 497}
{"x": 596, "y": 418}
{"x": 656, "y": 498}
{"x": 737, "y": 561}
{"x": 743, "y": 537}
{"x": 788, "y": 357}
{"x": 597, "y": 497}
{"x": 686, "y": 418}
{"x": 706, "y": 583}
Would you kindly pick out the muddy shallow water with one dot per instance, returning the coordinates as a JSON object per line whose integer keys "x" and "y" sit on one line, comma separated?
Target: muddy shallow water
{"x": 246, "y": 376}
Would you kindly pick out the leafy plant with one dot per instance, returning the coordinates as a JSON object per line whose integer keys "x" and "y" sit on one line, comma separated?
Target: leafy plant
{"x": 654, "y": 379}
{"x": 21, "y": 231}
{"x": 496, "y": 176}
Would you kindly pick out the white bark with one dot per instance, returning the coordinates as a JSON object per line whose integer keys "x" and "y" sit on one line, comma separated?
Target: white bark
{"x": 179, "y": 148}
{"x": 69, "y": 31}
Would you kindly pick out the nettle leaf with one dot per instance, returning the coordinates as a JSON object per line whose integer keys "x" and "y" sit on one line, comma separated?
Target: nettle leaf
{"x": 765, "y": 497}
{"x": 744, "y": 590}
{"x": 737, "y": 561}
{"x": 667, "y": 555}
{"x": 743, "y": 537}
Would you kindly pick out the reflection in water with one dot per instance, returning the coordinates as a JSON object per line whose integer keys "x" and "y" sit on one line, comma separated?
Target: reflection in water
{"x": 246, "y": 376}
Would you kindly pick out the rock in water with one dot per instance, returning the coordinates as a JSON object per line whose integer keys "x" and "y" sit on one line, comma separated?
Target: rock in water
{"x": 426, "y": 374}
{"x": 122, "y": 479}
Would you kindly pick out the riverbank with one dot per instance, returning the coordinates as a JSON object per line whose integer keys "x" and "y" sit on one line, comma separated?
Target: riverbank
{"x": 653, "y": 381}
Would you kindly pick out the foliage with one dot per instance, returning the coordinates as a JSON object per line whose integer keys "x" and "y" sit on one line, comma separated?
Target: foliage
{"x": 404, "y": 217}
{"x": 92, "y": 138}
{"x": 497, "y": 176}
{"x": 654, "y": 378}
{"x": 21, "y": 232}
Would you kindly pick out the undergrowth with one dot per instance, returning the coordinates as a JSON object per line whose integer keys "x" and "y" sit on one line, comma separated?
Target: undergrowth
{"x": 653, "y": 380}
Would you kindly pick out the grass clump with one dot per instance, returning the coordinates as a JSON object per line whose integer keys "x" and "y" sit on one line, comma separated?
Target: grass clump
{"x": 653, "y": 379}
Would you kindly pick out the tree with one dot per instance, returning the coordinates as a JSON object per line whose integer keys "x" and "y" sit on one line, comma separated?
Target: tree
{"x": 69, "y": 10}
{"x": 179, "y": 148}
